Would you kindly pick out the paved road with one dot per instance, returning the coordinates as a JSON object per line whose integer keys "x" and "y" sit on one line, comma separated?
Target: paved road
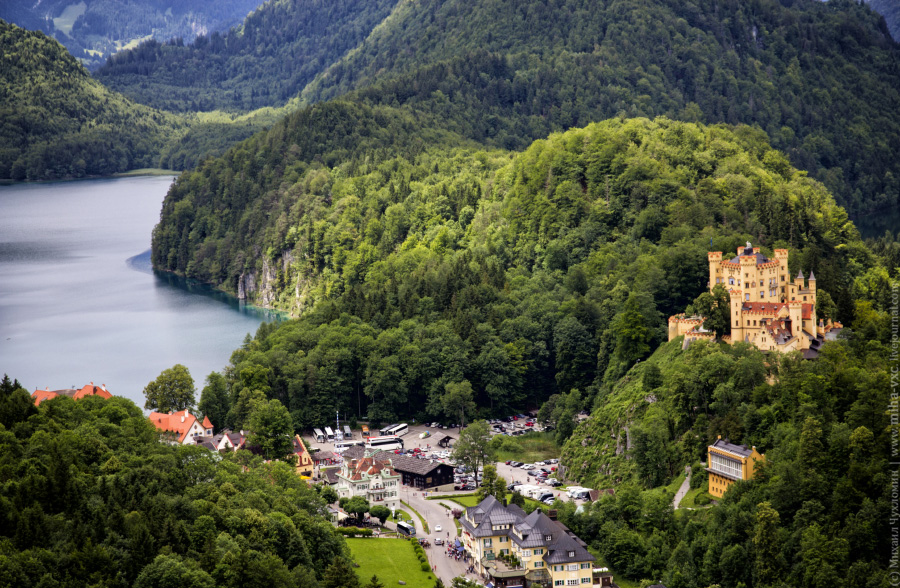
{"x": 435, "y": 514}
{"x": 685, "y": 487}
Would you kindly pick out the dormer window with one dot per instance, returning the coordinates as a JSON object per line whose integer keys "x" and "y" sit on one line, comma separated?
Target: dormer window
{"x": 548, "y": 537}
{"x": 571, "y": 554}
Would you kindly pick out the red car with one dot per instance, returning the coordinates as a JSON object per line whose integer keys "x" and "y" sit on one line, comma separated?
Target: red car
{"x": 529, "y": 424}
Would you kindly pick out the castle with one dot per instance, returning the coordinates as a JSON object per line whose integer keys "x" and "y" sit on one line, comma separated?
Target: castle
{"x": 767, "y": 309}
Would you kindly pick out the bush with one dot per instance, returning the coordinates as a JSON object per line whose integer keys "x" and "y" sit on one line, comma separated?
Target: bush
{"x": 354, "y": 532}
{"x": 702, "y": 499}
{"x": 698, "y": 477}
{"x": 426, "y": 567}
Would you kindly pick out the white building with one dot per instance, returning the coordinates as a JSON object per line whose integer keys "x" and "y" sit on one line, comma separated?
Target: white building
{"x": 373, "y": 479}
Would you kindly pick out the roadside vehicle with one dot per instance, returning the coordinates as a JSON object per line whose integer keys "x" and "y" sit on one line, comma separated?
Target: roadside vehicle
{"x": 437, "y": 529}
{"x": 438, "y": 541}
{"x": 405, "y": 528}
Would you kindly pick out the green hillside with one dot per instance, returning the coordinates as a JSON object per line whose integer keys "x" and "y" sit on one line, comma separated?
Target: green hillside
{"x": 891, "y": 12}
{"x": 58, "y": 122}
{"x": 92, "y": 30}
{"x": 423, "y": 266}
{"x": 89, "y": 496}
{"x": 264, "y": 62}
{"x": 813, "y": 516}
{"x": 821, "y": 79}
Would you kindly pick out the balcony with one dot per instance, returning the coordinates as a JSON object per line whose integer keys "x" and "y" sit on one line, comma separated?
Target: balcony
{"x": 497, "y": 568}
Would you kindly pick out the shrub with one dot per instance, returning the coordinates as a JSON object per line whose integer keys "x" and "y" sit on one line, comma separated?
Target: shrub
{"x": 426, "y": 567}
{"x": 698, "y": 477}
{"x": 702, "y": 499}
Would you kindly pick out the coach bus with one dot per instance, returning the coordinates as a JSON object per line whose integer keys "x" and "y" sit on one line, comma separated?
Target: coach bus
{"x": 405, "y": 528}
{"x": 398, "y": 430}
{"x": 387, "y": 443}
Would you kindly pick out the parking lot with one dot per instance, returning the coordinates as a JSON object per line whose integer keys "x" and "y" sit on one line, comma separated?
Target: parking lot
{"x": 423, "y": 440}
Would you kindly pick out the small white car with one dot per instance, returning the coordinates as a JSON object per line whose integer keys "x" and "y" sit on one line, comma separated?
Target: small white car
{"x": 437, "y": 528}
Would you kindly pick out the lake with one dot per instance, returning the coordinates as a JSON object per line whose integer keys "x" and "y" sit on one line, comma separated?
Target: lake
{"x": 80, "y": 303}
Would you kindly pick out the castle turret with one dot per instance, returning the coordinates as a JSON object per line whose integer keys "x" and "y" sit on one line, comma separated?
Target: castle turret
{"x": 799, "y": 280}
{"x": 737, "y": 327}
{"x": 812, "y": 286}
{"x": 715, "y": 264}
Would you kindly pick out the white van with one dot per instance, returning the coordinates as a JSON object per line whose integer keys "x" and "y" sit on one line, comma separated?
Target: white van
{"x": 320, "y": 436}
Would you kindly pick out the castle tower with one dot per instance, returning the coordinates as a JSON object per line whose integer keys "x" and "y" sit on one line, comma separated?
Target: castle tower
{"x": 748, "y": 276}
{"x": 737, "y": 320}
{"x": 781, "y": 256}
{"x": 715, "y": 264}
{"x": 812, "y": 286}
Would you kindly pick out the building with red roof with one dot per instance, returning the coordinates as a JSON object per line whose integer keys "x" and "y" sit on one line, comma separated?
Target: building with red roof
{"x": 768, "y": 309}
{"x": 371, "y": 477}
{"x": 182, "y": 427}
{"x": 74, "y": 393}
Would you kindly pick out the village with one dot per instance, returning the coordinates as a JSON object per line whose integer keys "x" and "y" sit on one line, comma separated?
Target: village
{"x": 401, "y": 481}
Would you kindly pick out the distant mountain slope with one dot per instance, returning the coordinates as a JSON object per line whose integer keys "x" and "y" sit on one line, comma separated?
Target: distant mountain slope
{"x": 823, "y": 80}
{"x": 890, "y": 10}
{"x": 94, "y": 29}
{"x": 266, "y": 61}
{"x": 58, "y": 122}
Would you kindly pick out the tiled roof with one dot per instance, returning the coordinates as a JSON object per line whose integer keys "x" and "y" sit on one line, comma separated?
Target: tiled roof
{"x": 740, "y": 450}
{"x": 74, "y": 393}
{"x": 401, "y": 463}
{"x": 773, "y": 308}
{"x": 179, "y": 422}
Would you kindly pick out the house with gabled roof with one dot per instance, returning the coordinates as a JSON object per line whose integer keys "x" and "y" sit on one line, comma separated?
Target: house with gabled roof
{"x": 373, "y": 478}
{"x": 74, "y": 393}
{"x": 305, "y": 465}
{"x": 544, "y": 551}
{"x": 181, "y": 428}
{"x": 416, "y": 472}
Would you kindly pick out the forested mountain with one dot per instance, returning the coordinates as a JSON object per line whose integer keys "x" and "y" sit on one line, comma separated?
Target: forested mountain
{"x": 265, "y": 62}
{"x": 814, "y": 516}
{"x": 58, "y": 122}
{"x": 422, "y": 266}
{"x": 821, "y": 79}
{"x": 92, "y": 30}
{"x": 90, "y": 497}
{"x": 890, "y": 10}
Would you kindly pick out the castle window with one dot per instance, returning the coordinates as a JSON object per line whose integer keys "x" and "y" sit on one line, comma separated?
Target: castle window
{"x": 747, "y": 297}
{"x": 754, "y": 323}
{"x": 731, "y": 281}
{"x": 748, "y": 322}
{"x": 762, "y": 294}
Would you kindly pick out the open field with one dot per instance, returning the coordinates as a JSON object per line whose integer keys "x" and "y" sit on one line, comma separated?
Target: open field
{"x": 528, "y": 448}
{"x": 391, "y": 560}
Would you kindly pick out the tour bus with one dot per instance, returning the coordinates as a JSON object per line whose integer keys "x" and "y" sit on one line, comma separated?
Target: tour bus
{"x": 399, "y": 430}
{"x": 342, "y": 446}
{"x": 387, "y": 430}
{"x": 348, "y": 434}
{"x": 405, "y": 528}
{"x": 387, "y": 443}
{"x": 320, "y": 436}
{"x": 330, "y": 433}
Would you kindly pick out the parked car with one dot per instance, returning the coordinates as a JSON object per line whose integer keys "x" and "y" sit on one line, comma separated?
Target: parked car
{"x": 513, "y": 486}
{"x": 516, "y": 464}
{"x": 438, "y": 541}
{"x": 548, "y": 500}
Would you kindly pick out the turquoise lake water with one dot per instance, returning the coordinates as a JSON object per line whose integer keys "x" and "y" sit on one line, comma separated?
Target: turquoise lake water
{"x": 80, "y": 303}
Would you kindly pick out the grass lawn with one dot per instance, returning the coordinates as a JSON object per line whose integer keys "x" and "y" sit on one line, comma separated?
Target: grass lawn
{"x": 391, "y": 560}
{"x": 690, "y": 499}
{"x": 528, "y": 448}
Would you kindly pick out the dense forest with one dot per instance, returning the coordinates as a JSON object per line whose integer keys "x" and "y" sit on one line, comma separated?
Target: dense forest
{"x": 818, "y": 512}
{"x": 891, "y": 12}
{"x": 92, "y": 30}
{"x": 821, "y": 79}
{"x": 58, "y": 122}
{"x": 414, "y": 271}
{"x": 90, "y": 497}
{"x": 266, "y": 61}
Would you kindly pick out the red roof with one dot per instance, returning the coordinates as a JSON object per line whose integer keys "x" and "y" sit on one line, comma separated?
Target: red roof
{"x": 91, "y": 390}
{"x": 76, "y": 394}
{"x": 206, "y": 424}
{"x": 773, "y": 308}
{"x": 179, "y": 422}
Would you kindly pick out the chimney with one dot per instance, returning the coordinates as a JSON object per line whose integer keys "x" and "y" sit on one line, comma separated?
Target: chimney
{"x": 551, "y": 514}
{"x": 92, "y": 383}
{"x": 182, "y": 418}
{"x": 103, "y": 386}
